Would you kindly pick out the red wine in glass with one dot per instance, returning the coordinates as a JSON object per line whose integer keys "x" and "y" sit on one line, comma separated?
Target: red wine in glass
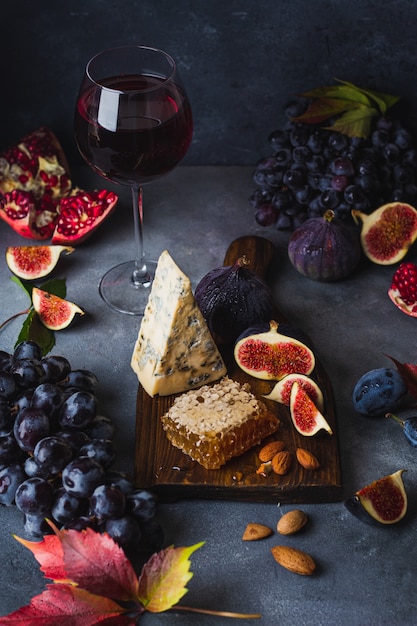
{"x": 133, "y": 124}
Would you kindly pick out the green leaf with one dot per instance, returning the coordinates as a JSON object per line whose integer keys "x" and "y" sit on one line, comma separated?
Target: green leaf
{"x": 27, "y": 287}
{"x": 324, "y": 109}
{"x": 355, "y": 123}
{"x": 34, "y": 330}
{"x": 347, "y": 91}
{"x": 56, "y": 287}
{"x": 163, "y": 578}
{"x": 383, "y": 100}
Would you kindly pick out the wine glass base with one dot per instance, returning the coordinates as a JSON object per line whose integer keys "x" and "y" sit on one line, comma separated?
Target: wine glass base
{"x": 121, "y": 293}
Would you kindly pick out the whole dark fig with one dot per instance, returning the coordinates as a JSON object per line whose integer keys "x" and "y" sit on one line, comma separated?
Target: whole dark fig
{"x": 325, "y": 248}
{"x": 232, "y": 298}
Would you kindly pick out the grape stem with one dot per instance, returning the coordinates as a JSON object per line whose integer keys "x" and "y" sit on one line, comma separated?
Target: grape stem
{"x": 13, "y": 317}
{"x": 218, "y": 613}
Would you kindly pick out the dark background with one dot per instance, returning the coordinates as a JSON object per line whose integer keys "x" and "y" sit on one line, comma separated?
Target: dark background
{"x": 240, "y": 60}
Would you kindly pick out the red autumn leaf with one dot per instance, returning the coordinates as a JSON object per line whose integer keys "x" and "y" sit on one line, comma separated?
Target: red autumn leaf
{"x": 66, "y": 605}
{"x": 50, "y": 555}
{"x": 98, "y": 564}
{"x": 163, "y": 578}
{"x": 408, "y": 372}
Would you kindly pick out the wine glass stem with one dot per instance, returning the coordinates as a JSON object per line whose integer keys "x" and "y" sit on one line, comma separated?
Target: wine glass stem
{"x": 140, "y": 273}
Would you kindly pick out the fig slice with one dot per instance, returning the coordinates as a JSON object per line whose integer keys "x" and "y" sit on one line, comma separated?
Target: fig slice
{"x": 271, "y": 355}
{"x": 388, "y": 232}
{"x": 403, "y": 290}
{"x": 54, "y": 312}
{"x": 33, "y": 262}
{"x": 383, "y": 501}
{"x": 281, "y": 392}
{"x": 306, "y": 417}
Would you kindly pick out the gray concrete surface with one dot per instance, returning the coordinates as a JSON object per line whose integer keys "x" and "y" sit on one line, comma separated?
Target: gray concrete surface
{"x": 366, "y": 575}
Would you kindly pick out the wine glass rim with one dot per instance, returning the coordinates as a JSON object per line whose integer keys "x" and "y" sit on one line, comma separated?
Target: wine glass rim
{"x": 165, "y": 79}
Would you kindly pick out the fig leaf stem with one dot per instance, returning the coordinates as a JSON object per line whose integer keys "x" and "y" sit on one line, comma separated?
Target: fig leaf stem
{"x": 10, "y": 319}
{"x": 218, "y": 613}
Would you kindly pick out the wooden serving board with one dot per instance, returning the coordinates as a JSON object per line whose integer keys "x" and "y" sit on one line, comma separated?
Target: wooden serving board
{"x": 173, "y": 475}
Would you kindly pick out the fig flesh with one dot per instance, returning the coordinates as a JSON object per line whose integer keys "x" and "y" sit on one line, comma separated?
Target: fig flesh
{"x": 33, "y": 262}
{"x": 379, "y": 391}
{"x": 282, "y": 390}
{"x": 388, "y": 232}
{"x": 271, "y": 355}
{"x": 403, "y": 290}
{"x": 55, "y": 313}
{"x": 384, "y": 501}
{"x": 305, "y": 415}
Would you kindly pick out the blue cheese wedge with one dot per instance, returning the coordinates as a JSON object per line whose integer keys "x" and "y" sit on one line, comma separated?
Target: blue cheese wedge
{"x": 174, "y": 351}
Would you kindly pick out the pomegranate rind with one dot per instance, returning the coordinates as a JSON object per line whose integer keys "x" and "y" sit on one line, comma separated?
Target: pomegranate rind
{"x": 272, "y": 356}
{"x": 396, "y": 298}
{"x": 55, "y": 313}
{"x": 384, "y": 500}
{"x": 306, "y": 417}
{"x": 388, "y": 232}
{"x": 281, "y": 392}
{"x": 81, "y": 213}
{"x": 34, "y": 262}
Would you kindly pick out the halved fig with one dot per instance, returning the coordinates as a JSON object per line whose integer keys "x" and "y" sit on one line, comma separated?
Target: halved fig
{"x": 388, "y": 232}
{"x": 282, "y": 390}
{"x": 271, "y": 355}
{"x": 384, "y": 501}
{"x": 403, "y": 290}
{"x": 305, "y": 415}
{"x": 55, "y": 313}
{"x": 33, "y": 262}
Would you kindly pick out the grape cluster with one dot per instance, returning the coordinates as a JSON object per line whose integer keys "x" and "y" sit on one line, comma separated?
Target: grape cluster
{"x": 57, "y": 454}
{"x": 312, "y": 169}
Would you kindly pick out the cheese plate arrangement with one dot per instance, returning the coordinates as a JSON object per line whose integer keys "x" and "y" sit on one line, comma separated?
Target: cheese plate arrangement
{"x": 223, "y": 425}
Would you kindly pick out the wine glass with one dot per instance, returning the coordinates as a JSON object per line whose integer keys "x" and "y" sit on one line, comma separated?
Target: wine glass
{"x": 133, "y": 124}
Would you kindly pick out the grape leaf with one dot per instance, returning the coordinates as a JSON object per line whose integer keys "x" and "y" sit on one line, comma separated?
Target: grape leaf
{"x": 67, "y": 605}
{"x": 163, "y": 578}
{"x": 50, "y": 555}
{"x": 355, "y": 123}
{"x": 344, "y": 92}
{"x": 323, "y": 109}
{"x": 408, "y": 373}
{"x": 97, "y": 563}
{"x": 384, "y": 100}
{"x": 33, "y": 329}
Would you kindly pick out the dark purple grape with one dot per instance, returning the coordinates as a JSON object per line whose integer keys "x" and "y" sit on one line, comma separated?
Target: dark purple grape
{"x": 10, "y": 452}
{"x": 33, "y": 468}
{"x": 402, "y": 138}
{"x": 330, "y": 198}
{"x": 5, "y": 360}
{"x": 27, "y": 373}
{"x": 337, "y": 142}
{"x": 82, "y": 379}
{"x": 24, "y": 399}
{"x": 8, "y": 385}
{"x": 52, "y": 454}
{"x": 6, "y": 415}
{"x": 102, "y": 450}
{"x": 10, "y": 478}
{"x": 343, "y": 167}
{"x": 74, "y": 438}
{"x": 125, "y": 531}
{"x": 78, "y": 410}
{"x": 55, "y": 368}
{"x": 120, "y": 480}
{"x": 31, "y": 425}
{"x": 340, "y": 182}
{"x": 81, "y": 476}
{"x": 27, "y": 350}
{"x": 266, "y": 215}
{"x": 102, "y": 427}
{"x": 107, "y": 502}
{"x": 278, "y": 139}
{"x": 391, "y": 153}
{"x": 142, "y": 504}
{"x": 66, "y": 507}
{"x": 48, "y": 397}
{"x": 34, "y": 496}
{"x": 36, "y": 525}
{"x": 82, "y": 523}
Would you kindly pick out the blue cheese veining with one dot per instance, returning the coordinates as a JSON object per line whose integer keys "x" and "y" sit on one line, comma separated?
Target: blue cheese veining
{"x": 174, "y": 351}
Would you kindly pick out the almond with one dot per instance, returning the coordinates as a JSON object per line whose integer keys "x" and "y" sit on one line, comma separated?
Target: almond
{"x": 254, "y": 532}
{"x": 269, "y": 450}
{"x": 264, "y": 469}
{"x": 294, "y": 560}
{"x": 281, "y": 462}
{"x": 292, "y": 522}
{"x": 307, "y": 459}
